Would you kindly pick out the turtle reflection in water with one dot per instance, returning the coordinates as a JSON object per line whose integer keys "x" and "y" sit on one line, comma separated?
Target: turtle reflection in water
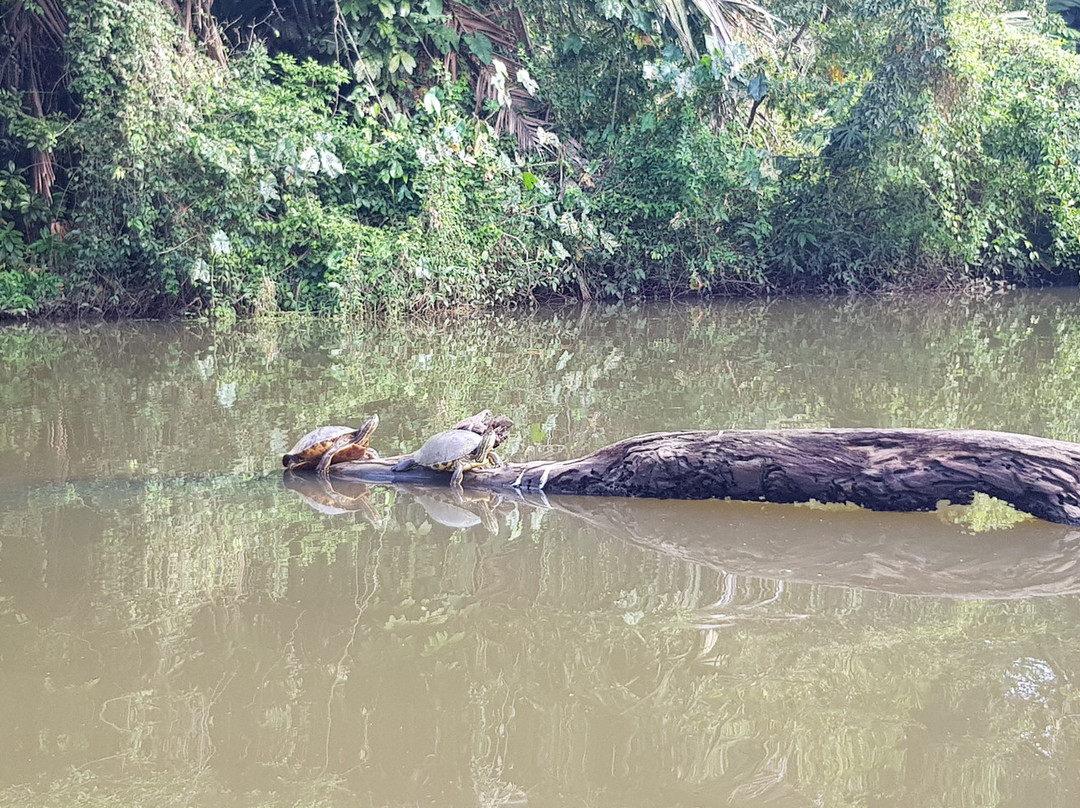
{"x": 456, "y": 450}
{"x": 332, "y": 444}
{"x": 457, "y": 510}
{"x": 334, "y": 497}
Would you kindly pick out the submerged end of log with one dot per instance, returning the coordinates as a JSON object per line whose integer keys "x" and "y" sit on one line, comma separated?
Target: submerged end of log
{"x": 879, "y": 469}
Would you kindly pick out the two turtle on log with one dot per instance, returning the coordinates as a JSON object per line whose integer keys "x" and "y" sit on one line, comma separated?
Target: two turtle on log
{"x": 469, "y": 445}
{"x": 878, "y": 469}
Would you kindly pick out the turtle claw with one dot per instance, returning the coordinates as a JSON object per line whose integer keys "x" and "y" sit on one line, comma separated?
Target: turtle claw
{"x": 323, "y": 469}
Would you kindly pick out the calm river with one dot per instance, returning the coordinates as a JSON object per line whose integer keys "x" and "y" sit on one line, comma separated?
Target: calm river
{"x": 180, "y": 627}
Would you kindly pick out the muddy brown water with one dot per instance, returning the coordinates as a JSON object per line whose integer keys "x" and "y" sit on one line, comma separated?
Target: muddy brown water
{"x": 181, "y": 624}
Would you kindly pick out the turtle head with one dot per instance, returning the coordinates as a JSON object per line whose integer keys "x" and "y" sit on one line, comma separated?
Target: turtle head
{"x": 475, "y": 423}
{"x": 501, "y": 426}
{"x": 486, "y": 444}
{"x": 366, "y": 428}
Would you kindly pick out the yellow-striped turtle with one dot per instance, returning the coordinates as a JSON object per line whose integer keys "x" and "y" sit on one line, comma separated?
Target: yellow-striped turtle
{"x": 331, "y": 444}
{"x": 482, "y": 420}
{"x": 457, "y": 450}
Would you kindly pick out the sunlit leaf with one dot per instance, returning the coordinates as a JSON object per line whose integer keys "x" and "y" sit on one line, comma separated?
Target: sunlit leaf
{"x": 527, "y": 81}
{"x": 431, "y": 102}
{"x": 309, "y": 160}
{"x": 610, "y": 9}
{"x": 220, "y": 244}
{"x": 268, "y": 187}
{"x": 330, "y": 164}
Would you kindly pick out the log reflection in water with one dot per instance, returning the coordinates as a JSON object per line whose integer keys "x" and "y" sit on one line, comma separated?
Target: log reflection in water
{"x": 915, "y": 554}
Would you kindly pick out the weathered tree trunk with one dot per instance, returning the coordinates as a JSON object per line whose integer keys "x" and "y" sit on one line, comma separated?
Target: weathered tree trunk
{"x": 879, "y": 469}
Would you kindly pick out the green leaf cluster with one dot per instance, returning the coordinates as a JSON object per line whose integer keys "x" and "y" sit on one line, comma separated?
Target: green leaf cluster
{"x": 342, "y": 167}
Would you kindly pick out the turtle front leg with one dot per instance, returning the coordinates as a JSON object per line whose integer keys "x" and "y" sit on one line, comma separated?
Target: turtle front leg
{"x": 459, "y": 472}
{"x": 323, "y": 467}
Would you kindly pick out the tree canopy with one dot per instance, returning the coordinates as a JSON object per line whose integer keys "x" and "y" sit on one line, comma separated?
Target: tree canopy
{"x": 163, "y": 156}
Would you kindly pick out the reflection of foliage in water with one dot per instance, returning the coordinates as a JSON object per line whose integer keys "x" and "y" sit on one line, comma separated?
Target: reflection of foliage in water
{"x": 103, "y": 401}
{"x": 985, "y": 513}
{"x": 193, "y": 632}
{"x": 235, "y": 635}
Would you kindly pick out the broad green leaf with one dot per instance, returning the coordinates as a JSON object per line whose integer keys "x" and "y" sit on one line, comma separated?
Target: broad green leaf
{"x": 759, "y": 85}
{"x": 480, "y": 45}
{"x": 309, "y": 160}
{"x": 431, "y": 102}
{"x": 330, "y": 164}
{"x": 220, "y": 244}
{"x": 367, "y": 68}
{"x": 572, "y": 43}
{"x": 610, "y": 9}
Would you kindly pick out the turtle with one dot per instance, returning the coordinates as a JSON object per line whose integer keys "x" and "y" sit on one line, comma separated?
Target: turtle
{"x": 331, "y": 444}
{"x": 482, "y": 420}
{"x": 502, "y": 425}
{"x": 475, "y": 423}
{"x": 459, "y": 450}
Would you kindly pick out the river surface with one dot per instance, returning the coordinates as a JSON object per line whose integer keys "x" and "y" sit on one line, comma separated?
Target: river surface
{"x": 181, "y": 625}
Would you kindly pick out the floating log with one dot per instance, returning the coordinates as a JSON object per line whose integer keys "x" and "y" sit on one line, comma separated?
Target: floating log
{"x": 879, "y": 469}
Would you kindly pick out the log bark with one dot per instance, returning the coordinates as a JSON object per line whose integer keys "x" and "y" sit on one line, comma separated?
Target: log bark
{"x": 879, "y": 469}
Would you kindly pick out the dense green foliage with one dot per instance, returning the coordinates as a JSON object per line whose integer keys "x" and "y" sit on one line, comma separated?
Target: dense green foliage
{"x": 334, "y": 162}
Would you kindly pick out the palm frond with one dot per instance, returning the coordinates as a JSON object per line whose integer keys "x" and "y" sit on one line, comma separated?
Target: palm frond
{"x": 728, "y": 21}
{"x": 519, "y": 113}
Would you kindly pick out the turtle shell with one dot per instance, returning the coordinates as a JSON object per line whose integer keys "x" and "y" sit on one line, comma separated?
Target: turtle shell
{"x": 313, "y": 445}
{"x": 443, "y": 449}
{"x": 311, "y": 448}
